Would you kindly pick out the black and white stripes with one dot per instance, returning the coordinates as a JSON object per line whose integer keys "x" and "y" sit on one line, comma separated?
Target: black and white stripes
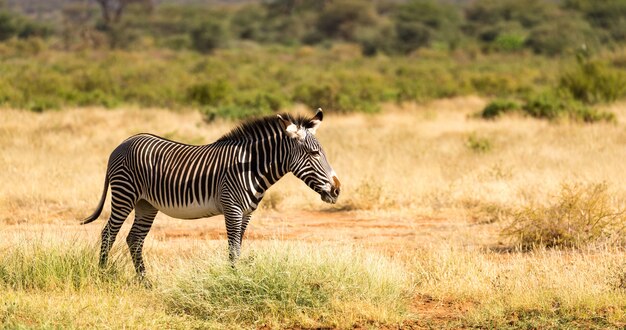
{"x": 148, "y": 173}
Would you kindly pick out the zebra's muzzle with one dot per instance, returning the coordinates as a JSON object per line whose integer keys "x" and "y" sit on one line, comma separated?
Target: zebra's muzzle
{"x": 328, "y": 198}
{"x": 331, "y": 195}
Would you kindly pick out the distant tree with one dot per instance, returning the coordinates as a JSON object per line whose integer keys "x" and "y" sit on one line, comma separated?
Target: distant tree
{"x": 560, "y": 35}
{"x": 341, "y": 19}
{"x": 15, "y": 25}
{"x": 543, "y": 26}
{"x": 485, "y": 18}
{"x": 248, "y": 22}
{"x": 77, "y": 26}
{"x": 288, "y": 22}
{"x": 112, "y": 10}
{"x": 8, "y": 25}
{"x": 418, "y": 23}
{"x": 208, "y": 36}
{"x": 292, "y": 7}
{"x": 608, "y": 15}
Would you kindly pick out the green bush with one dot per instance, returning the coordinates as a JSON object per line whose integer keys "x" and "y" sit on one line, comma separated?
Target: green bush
{"x": 509, "y": 42}
{"x": 493, "y": 84}
{"x": 580, "y": 215}
{"x": 593, "y": 81}
{"x": 553, "y": 107}
{"x": 245, "y": 105}
{"x": 498, "y": 107}
{"x": 210, "y": 93}
{"x": 336, "y": 96}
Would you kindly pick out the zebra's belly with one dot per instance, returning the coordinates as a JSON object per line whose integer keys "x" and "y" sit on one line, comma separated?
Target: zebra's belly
{"x": 194, "y": 210}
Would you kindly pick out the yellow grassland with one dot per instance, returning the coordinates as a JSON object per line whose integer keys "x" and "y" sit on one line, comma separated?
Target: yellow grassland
{"x": 416, "y": 192}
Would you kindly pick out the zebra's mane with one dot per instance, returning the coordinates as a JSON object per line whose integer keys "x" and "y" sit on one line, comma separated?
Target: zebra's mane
{"x": 248, "y": 129}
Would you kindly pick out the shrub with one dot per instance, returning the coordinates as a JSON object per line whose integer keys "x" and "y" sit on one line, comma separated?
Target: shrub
{"x": 553, "y": 107}
{"x": 342, "y": 97}
{"x": 245, "y": 105}
{"x": 493, "y": 84}
{"x": 509, "y": 42}
{"x": 498, "y": 107}
{"x": 209, "y": 93}
{"x": 580, "y": 215}
{"x": 592, "y": 81}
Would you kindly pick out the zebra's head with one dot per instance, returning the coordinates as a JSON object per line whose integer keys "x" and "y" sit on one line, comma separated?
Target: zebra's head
{"x": 308, "y": 160}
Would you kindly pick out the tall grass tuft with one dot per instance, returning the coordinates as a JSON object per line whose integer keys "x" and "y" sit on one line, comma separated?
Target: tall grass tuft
{"x": 50, "y": 266}
{"x": 580, "y": 215}
{"x": 291, "y": 284}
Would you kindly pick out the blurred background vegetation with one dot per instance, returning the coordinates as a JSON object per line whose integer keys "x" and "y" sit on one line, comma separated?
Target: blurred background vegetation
{"x": 233, "y": 59}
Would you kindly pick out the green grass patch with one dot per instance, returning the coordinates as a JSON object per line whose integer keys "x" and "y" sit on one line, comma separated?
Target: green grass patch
{"x": 290, "y": 284}
{"x": 43, "y": 266}
{"x": 478, "y": 144}
{"x": 279, "y": 284}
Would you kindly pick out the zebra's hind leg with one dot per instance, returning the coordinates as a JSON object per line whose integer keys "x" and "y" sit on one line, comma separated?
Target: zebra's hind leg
{"x": 121, "y": 206}
{"x": 144, "y": 217}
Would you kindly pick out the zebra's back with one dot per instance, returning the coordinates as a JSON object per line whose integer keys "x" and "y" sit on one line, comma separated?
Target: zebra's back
{"x": 178, "y": 179}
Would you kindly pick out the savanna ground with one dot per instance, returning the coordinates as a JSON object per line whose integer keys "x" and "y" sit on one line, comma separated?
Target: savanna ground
{"x": 415, "y": 240}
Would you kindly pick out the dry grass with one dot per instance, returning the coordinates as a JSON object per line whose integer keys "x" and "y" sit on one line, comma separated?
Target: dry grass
{"x": 419, "y": 186}
{"x": 581, "y": 215}
{"x": 542, "y": 289}
{"x": 418, "y": 159}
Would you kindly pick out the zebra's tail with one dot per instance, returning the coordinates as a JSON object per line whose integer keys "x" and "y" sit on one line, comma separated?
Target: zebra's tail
{"x": 98, "y": 210}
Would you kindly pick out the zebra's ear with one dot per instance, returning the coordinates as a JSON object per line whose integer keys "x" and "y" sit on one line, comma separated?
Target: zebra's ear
{"x": 316, "y": 121}
{"x": 290, "y": 128}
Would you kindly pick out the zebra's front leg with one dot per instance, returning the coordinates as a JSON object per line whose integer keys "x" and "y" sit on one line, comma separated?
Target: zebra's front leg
{"x": 244, "y": 224}
{"x": 233, "y": 220}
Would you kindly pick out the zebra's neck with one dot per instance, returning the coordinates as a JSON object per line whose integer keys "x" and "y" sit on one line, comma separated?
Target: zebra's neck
{"x": 265, "y": 161}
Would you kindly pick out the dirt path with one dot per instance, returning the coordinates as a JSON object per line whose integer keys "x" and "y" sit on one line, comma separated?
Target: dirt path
{"x": 388, "y": 233}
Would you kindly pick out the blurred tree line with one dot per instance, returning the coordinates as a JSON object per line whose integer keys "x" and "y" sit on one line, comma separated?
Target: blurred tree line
{"x": 379, "y": 26}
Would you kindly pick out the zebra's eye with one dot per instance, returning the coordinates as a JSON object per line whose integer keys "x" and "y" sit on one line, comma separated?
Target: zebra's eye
{"x": 314, "y": 153}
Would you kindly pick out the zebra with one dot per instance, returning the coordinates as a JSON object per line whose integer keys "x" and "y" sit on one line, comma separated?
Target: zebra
{"x": 149, "y": 174}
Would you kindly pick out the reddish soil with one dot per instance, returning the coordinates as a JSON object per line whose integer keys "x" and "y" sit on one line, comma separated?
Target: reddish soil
{"x": 388, "y": 233}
